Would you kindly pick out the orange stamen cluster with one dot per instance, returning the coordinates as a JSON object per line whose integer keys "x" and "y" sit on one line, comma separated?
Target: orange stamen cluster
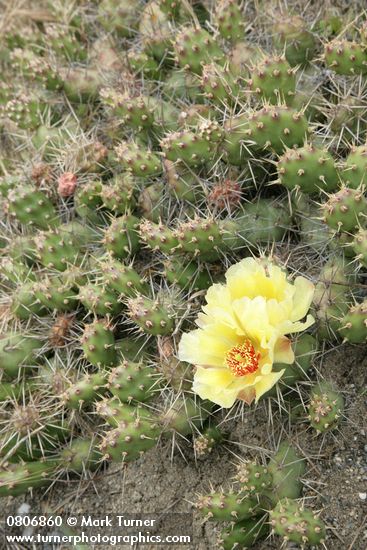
{"x": 243, "y": 359}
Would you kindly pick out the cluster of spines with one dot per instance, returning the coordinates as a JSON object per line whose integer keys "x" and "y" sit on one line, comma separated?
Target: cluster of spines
{"x": 325, "y": 407}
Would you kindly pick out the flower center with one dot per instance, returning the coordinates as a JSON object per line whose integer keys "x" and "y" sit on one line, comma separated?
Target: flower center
{"x": 242, "y": 359}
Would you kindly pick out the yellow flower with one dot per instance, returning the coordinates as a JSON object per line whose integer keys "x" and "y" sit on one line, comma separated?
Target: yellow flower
{"x": 242, "y": 331}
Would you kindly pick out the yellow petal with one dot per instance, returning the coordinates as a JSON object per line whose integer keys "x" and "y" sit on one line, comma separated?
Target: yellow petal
{"x": 249, "y": 279}
{"x": 206, "y": 346}
{"x": 218, "y": 307}
{"x": 304, "y": 291}
{"x": 214, "y": 377}
{"x": 290, "y": 328}
{"x": 283, "y": 352}
{"x": 278, "y": 312}
{"x": 215, "y": 385}
{"x": 253, "y": 318}
{"x": 266, "y": 383}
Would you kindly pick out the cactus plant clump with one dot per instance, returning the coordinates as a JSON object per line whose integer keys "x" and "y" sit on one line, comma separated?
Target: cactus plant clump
{"x": 182, "y": 231}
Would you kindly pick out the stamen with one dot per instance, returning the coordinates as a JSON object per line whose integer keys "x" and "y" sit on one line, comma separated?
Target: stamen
{"x": 243, "y": 359}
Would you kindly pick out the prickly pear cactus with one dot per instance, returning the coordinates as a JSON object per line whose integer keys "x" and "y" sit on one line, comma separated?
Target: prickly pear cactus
{"x": 183, "y": 225}
{"x": 273, "y": 79}
{"x": 346, "y": 57}
{"x": 325, "y": 408}
{"x": 354, "y": 324}
{"x": 308, "y": 168}
{"x": 227, "y": 506}
{"x": 345, "y": 210}
{"x": 295, "y": 524}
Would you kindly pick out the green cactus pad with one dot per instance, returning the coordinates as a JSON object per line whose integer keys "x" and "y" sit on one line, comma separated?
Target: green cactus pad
{"x": 25, "y": 303}
{"x": 359, "y": 245}
{"x": 253, "y": 477}
{"x": 132, "y": 382}
{"x": 244, "y": 534}
{"x": 159, "y": 237}
{"x": 16, "y": 350}
{"x": 133, "y": 112}
{"x": 325, "y": 407}
{"x": 276, "y": 128}
{"x": 345, "y": 57}
{"x": 84, "y": 391}
{"x": 141, "y": 162}
{"x": 56, "y": 249}
{"x": 273, "y": 79}
{"x": 123, "y": 279}
{"x": 194, "y": 47}
{"x": 32, "y": 207}
{"x": 201, "y": 238}
{"x": 263, "y": 221}
{"x": 219, "y": 85}
{"x": 17, "y": 479}
{"x": 291, "y": 35}
{"x": 309, "y": 168}
{"x": 151, "y": 316}
{"x": 119, "y": 16}
{"x": 204, "y": 443}
{"x": 228, "y": 506}
{"x": 191, "y": 275}
{"x": 121, "y": 237}
{"x": 345, "y": 209}
{"x": 130, "y": 439}
{"x": 297, "y": 524}
{"x": 228, "y": 18}
{"x": 99, "y": 299}
{"x": 190, "y": 148}
{"x": 286, "y": 467}
{"x": 118, "y": 195}
{"x": 56, "y": 294}
{"x": 355, "y": 168}
{"x": 80, "y": 455}
{"x": 98, "y": 344}
{"x": 353, "y": 326}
